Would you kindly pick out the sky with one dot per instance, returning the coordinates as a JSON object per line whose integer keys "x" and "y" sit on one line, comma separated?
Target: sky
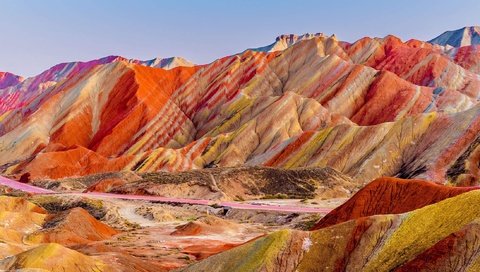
{"x": 37, "y": 34}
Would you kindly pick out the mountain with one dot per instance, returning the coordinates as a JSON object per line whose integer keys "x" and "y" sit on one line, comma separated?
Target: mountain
{"x": 282, "y": 42}
{"x": 165, "y": 63}
{"x": 383, "y": 133}
{"x": 461, "y": 37}
{"x": 17, "y": 92}
{"x": 307, "y": 105}
{"x": 9, "y": 79}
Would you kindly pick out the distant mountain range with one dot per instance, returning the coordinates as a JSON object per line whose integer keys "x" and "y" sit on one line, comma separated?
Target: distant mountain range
{"x": 461, "y": 37}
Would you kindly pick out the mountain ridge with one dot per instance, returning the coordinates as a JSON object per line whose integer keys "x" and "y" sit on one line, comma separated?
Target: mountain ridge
{"x": 466, "y": 36}
{"x": 315, "y": 87}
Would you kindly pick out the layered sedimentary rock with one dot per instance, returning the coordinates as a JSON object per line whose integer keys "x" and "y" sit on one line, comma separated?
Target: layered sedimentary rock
{"x": 59, "y": 258}
{"x": 9, "y": 79}
{"x": 16, "y": 92}
{"x": 375, "y": 107}
{"x": 467, "y": 57}
{"x": 33, "y": 238}
{"x": 306, "y": 117}
{"x": 72, "y": 227}
{"x": 25, "y": 225}
{"x": 442, "y": 236}
{"x": 390, "y": 196}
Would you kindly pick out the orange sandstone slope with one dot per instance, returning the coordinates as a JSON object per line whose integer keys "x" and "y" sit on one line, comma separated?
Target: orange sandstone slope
{"x": 301, "y": 106}
{"x": 72, "y": 227}
{"x": 31, "y": 238}
{"x": 432, "y": 146}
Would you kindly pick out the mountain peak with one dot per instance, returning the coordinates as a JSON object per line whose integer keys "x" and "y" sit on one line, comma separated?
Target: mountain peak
{"x": 166, "y": 63}
{"x": 284, "y": 41}
{"x": 8, "y": 79}
{"x": 469, "y": 35}
{"x": 293, "y": 38}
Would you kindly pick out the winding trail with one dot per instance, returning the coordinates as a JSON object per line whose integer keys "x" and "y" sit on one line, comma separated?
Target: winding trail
{"x": 229, "y": 204}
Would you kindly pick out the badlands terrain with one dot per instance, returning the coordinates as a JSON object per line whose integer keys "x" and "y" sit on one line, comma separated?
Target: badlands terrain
{"x": 309, "y": 154}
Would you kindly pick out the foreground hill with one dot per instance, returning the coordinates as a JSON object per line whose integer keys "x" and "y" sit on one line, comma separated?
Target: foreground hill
{"x": 390, "y": 196}
{"x": 438, "y": 237}
{"x": 59, "y": 258}
{"x": 25, "y": 225}
{"x": 35, "y": 239}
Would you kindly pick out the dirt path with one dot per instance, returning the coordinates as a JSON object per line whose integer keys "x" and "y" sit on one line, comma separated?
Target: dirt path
{"x": 127, "y": 212}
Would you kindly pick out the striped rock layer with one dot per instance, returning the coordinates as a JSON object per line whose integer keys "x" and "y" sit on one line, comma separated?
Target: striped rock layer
{"x": 16, "y": 92}
{"x": 376, "y": 107}
{"x": 438, "y": 237}
{"x": 9, "y": 79}
{"x": 390, "y": 196}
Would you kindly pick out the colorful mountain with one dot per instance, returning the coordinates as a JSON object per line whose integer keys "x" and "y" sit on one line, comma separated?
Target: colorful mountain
{"x": 31, "y": 90}
{"x": 9, "y": 79}
{"x": 282, "y": 108}
{"x": 390, "y": 196}
{"x": 308, "y": 117}
{"x": 438, "y": 237}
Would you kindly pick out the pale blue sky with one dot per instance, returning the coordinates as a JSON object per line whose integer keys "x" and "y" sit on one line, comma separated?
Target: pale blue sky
{"x": 37, "y": 34}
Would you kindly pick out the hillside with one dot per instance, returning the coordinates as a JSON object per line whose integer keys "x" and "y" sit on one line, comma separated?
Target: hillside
{"x": 252, "y": 109}
{"x": 308, "y": 154}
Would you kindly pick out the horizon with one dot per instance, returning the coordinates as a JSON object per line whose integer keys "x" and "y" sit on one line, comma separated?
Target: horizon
{"x": 53, "y": 32}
